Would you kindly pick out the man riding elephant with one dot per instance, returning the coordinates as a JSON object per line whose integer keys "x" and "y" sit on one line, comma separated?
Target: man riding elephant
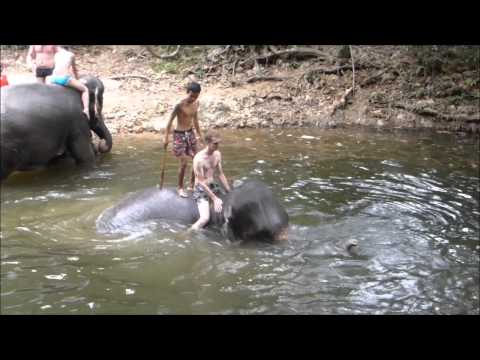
{"x": 41, "y": 122}
{"x": 205, "y": 164}
{"x": 249, "y": 212}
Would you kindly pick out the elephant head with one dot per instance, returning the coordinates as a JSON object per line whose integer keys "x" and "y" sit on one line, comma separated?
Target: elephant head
{"x": 252, "y": 212}
{"x": 97, "y": 121}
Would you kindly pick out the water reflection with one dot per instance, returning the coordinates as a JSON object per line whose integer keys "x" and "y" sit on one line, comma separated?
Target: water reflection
{"x": 411, "y": 201}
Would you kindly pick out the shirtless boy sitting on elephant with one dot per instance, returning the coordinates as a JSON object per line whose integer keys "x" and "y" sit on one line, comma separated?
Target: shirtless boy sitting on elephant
{"x": 184, "y": 139}
{"x": 65, "y": 74}
{"x": 205, "y": 164}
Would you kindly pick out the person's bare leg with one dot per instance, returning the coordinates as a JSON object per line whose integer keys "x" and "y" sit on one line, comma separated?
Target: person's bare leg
{"x": 181, "y": 176}
{"x": 84, "y": 92}
{"x": 192, "y": 180}
{"x": 192, "y": 175}
{"x": 204, "y": 210}
{"x": 85, "y": 103}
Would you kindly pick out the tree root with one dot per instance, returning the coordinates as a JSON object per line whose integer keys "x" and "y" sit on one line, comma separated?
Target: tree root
{"x": 374, "y": 78}
{"x": 265, "y": 78}
{"x": 342, "y": 102}
{"x": 322, "y": 70}
{"x": 167, "y": 56}
{"x": 121, "y": 77}
{"x": 332, "y": 70}
{"x": 294, "y": 52}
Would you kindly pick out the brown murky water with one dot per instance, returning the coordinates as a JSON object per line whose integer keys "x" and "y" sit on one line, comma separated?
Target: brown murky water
{"x": 410, "y": 199}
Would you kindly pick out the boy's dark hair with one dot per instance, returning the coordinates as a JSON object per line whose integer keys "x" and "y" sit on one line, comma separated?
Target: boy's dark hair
{"x": 194, "y": 87}
{"x": 211, "y": 136}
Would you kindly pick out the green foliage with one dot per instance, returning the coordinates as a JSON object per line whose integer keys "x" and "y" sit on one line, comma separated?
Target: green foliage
{"x": 378, "y": 98}
{"x": 294, "y": 65}
{"x": 429, "y": 58}
{"x": 187, "y": 56}
{"x": 344, "y": 52}
{"x": 167, "y": 66}
{"x": 472, "y": 82}
{"x": 435, "y": 59}
{"x": 470, "y": 55}
{"x": 173, "y": 66}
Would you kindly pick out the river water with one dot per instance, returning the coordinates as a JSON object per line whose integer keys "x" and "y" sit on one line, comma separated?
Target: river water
{"x": 411, "y": 200}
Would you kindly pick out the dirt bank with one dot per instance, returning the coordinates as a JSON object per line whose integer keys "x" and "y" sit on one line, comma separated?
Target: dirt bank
{"x": 390, "y": 91}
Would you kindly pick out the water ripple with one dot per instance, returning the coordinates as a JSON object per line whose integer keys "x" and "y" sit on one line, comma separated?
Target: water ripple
{"x": 410, "y": 202}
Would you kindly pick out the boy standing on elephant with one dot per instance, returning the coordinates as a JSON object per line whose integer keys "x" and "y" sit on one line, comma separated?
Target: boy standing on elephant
{"x": 206, "y": 163}
{"x": 184, "y": 139}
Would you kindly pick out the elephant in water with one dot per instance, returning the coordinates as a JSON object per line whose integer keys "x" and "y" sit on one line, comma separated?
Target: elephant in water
{"x": 250, "y": 212}
{"x": 40, "y": 123}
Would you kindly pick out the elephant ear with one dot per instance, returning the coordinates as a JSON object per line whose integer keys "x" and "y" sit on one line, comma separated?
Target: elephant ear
{"x": 226, "y": 229}
{"x": 95, "y": 91}
{"x": 227, "y": 213}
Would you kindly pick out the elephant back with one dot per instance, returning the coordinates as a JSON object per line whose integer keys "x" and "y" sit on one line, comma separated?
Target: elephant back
{"x": 146, "y": 205}
{"x": 40, "y": 100}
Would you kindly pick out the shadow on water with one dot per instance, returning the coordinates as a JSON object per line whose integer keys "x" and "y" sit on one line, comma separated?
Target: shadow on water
{"x": 410, "y": 201}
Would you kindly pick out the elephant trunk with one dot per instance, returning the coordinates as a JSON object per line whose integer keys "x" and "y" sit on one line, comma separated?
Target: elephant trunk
{"x": 102, "y": 131}
{"x": 97, "y": 123}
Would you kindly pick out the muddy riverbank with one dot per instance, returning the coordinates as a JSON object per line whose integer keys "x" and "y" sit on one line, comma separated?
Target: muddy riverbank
{"x": 391, "y": 91}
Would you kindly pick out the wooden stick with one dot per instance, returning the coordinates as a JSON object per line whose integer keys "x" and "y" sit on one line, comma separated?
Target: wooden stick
{"x": 162, "y": 176}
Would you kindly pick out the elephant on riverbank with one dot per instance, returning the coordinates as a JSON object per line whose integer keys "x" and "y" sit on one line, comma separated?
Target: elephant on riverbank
{"x": 40, "y": 123}
{"x": 250, "y": 212}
